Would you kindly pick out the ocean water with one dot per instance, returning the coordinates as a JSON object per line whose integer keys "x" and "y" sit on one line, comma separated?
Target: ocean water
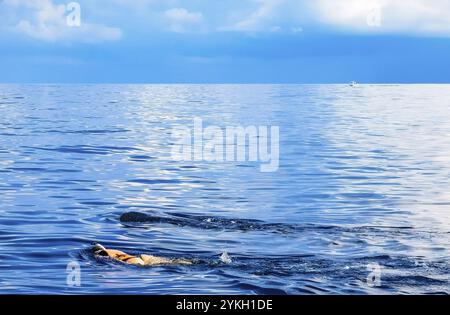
{"x": 360, "y": 203}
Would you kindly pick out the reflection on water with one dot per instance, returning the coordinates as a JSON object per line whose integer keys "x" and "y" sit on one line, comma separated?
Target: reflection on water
{"x": 363, "y": 180}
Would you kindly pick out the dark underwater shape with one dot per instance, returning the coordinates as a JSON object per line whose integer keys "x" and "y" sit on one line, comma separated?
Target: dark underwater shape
{"x": 219, "y": 223}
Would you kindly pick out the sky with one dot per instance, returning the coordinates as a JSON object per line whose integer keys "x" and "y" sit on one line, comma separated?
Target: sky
{"x": 225, "y": 41}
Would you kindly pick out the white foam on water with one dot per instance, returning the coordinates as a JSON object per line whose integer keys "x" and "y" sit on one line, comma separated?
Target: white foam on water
{"x": 225, "y": 258}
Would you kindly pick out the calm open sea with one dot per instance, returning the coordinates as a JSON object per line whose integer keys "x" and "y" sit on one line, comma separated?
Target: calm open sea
{"x": 362, "y": 192}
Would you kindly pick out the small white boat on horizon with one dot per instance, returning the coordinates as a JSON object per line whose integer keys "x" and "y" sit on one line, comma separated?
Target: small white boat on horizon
{"x": 353, "y": 84}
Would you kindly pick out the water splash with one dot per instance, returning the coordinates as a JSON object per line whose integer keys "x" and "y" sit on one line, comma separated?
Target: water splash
{"x": 225, "y": 258}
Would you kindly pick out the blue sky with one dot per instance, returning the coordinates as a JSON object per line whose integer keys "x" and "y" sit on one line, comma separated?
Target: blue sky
{"x": 227, "y": 41}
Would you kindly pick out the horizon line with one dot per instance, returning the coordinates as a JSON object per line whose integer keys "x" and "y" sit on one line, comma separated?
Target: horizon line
{"x": 220, "y": 83}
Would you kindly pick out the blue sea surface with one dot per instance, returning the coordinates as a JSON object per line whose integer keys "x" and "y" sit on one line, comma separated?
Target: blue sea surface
{"x": 364, "y": 181}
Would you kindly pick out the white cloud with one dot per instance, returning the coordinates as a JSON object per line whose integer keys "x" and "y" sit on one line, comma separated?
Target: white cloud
{"x": 296, "y": 29}
{"x": 258, "y": 20}
{"x": 181, "y": 20}
{"x": 422, "y": 17}
{"x": 43, "y": 20}
{"x": 412, "y": 17}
